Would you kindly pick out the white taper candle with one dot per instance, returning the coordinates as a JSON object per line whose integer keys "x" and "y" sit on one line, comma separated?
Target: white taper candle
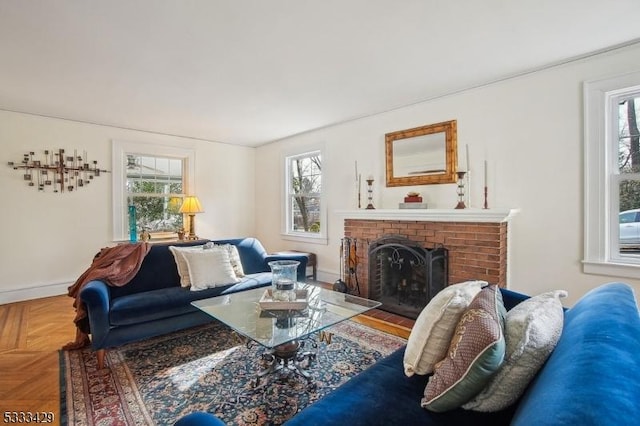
{"x": 467, "y": 149}
{"x": 485, "y": 173}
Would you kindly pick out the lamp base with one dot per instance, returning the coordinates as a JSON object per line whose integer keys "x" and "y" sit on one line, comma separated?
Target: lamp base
{"x": 192, "y": 228}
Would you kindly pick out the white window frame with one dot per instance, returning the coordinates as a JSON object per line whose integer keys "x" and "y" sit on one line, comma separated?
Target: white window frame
{"x": 287, "y": 232}
{"x": 119, "y": 152}
{"x": 601, "y": 178}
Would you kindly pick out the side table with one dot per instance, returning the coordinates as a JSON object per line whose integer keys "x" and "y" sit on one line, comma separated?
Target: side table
{"x": 311, "y": 261}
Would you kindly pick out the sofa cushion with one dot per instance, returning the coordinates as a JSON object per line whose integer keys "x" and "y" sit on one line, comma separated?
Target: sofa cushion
{"x": 434, "y": 327}
{"x": 209, "y": 268}
{"x": 167, "y": 302}
{"x": 383, "y": 395}
{"x": 532, "y": 330}
{"x": 592, "y": 375}
{"x": 158, "y": 270}
{"x": 181, "y": 262}
{"x": 475, "y": 354}
{"x": 252, "y": 254}
{"x": 234, "y": 257}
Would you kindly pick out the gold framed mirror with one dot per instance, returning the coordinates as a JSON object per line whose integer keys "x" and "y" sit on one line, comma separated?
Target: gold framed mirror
{"x": 422, "y": 155}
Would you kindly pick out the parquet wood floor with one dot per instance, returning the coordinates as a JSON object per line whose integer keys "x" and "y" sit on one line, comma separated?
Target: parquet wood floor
{"x": 32, "y": 332}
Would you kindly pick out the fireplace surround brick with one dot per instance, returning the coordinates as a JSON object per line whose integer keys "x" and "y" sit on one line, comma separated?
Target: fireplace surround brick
{"x": 477, "y": 250}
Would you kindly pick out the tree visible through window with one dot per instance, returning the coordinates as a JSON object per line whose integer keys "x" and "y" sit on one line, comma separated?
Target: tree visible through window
{"x": 155, "y": 186}
{"x": 304, "y": 193}
{"x": 629, "y": 174}
{"x": 612, "y": 176}
{"x": 629, "y": 152}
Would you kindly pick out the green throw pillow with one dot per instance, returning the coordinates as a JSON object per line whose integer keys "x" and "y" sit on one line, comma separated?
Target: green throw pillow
{"x": 475, "y": 353}
{"x": 532, "y": 331}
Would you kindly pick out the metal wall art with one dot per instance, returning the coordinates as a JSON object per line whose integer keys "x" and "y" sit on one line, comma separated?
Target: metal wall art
{"x": 57, "y": 170}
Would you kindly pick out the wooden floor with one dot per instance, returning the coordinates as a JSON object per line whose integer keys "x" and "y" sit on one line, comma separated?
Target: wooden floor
{"x": 32, "y": 332}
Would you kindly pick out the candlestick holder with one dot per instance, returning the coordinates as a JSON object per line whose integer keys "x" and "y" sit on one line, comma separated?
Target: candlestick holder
{"x": 467, "y": 198}
{"x": 486, "y": 203}
{"x": 370, "y": 194}
{"x": 460, "y": 191}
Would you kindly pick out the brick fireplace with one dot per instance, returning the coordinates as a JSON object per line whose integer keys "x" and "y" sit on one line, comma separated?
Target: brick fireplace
{"x": 476, "y": 240}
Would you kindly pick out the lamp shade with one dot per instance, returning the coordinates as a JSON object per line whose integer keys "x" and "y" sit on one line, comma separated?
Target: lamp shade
{"x": 191, "y": 205}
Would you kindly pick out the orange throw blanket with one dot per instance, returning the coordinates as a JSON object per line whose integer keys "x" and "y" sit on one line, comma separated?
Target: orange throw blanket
{"x": 114, "y": 265}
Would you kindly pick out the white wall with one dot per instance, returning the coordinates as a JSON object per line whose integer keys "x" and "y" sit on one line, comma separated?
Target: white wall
{"x": 529, "y": 129}
{"x": 50, "y": 239}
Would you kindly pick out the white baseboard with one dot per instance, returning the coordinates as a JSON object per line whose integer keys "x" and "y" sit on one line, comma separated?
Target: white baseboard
{"x": 30, "y": 293}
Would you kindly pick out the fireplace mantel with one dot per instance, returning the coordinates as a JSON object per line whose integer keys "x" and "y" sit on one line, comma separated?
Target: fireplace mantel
{"x": 432, "y": 215}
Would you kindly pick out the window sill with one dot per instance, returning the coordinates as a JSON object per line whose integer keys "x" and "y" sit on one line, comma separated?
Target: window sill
{"x": 306, "y": 239}
{"x": 621, "y": 270}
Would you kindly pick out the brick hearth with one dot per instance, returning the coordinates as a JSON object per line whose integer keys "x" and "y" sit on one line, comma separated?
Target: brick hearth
{"x": 477, "y": 250}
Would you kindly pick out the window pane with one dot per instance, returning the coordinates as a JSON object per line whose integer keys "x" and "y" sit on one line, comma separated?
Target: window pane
{"x": 306, "y": 214}
{"x": 155, "y": 188}
{"x": 628, "y": 135}
{"x": 305, "y": 188}
{"x": 157, "y": 214}
{"x": 629, "y": 233}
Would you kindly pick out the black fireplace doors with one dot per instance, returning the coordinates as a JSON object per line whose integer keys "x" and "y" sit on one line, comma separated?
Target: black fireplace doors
{"x": 404, "y": 276}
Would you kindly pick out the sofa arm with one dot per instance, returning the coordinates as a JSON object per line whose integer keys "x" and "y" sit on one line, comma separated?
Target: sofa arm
{"x": 302, "y": 267}
{"x": 593, "y": 375}
{"x": 95, "y": 295}
{"x": 199, "y": 418}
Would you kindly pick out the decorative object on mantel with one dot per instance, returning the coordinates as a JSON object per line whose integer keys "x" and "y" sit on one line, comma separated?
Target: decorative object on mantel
{"x": 413, "y": 200}
{"x": 460, "y": 191}
{"x": 370, "y": 193}
{"x": 57, "y": 170}
{"x": 468, "y": 177}
{"x": 486, "y": 204}
{"x": 191, "y": 206}
{"x": 358, "y": 184}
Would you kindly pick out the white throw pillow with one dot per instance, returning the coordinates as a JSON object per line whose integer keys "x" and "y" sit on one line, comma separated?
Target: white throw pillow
{"x": 432, "y": 332}
{"x": 532, "y": 330}
{"x": 234, "y": 256}
{"x": 181, "y": 262}
{"x": 209, "y": 268}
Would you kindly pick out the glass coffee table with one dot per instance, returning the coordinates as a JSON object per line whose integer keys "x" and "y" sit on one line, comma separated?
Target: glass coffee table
{"x": 285, "y": 333}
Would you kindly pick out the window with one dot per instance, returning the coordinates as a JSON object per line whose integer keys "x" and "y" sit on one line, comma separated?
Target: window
{"x": 155, "y": 187}
{"x": 154, "y": 179}
{"x": 612, "y": 176}
{"x": 305, "y": 216}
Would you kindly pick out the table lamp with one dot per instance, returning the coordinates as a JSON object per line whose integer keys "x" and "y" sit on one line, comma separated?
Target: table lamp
{"x": 191, "y": 206}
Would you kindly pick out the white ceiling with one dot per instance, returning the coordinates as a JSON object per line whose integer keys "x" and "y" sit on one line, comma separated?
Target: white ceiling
{"x": 249, "y": 72}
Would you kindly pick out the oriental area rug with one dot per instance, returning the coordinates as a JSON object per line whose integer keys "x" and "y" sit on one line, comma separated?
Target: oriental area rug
{"x": 207, "y": 368}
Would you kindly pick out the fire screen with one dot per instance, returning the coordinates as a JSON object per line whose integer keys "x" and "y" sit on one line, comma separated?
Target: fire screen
{"x": 404, "y": 276}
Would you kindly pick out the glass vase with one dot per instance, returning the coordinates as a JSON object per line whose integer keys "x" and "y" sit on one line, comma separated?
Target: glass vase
{"x": 133, "y": 229}
{"x": 283, "y": 281}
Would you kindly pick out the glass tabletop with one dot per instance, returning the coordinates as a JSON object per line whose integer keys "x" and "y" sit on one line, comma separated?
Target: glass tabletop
{"x": 270, "y": 328}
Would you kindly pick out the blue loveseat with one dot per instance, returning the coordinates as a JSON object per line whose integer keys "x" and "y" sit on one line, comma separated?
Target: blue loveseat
{"x": 591, "y": 378}
{"x": 153, "y": 302}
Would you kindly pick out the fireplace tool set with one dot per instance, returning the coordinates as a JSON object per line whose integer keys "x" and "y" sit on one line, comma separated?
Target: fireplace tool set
{"x": 348, "y": 266}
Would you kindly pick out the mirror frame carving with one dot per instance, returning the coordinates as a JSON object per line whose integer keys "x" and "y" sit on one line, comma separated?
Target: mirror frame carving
{"x": 450, "y": 129}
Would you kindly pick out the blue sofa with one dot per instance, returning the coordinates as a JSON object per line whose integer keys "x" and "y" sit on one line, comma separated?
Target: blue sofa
{"x": 591, "y": 378}
{"x": 153, "y": 302}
